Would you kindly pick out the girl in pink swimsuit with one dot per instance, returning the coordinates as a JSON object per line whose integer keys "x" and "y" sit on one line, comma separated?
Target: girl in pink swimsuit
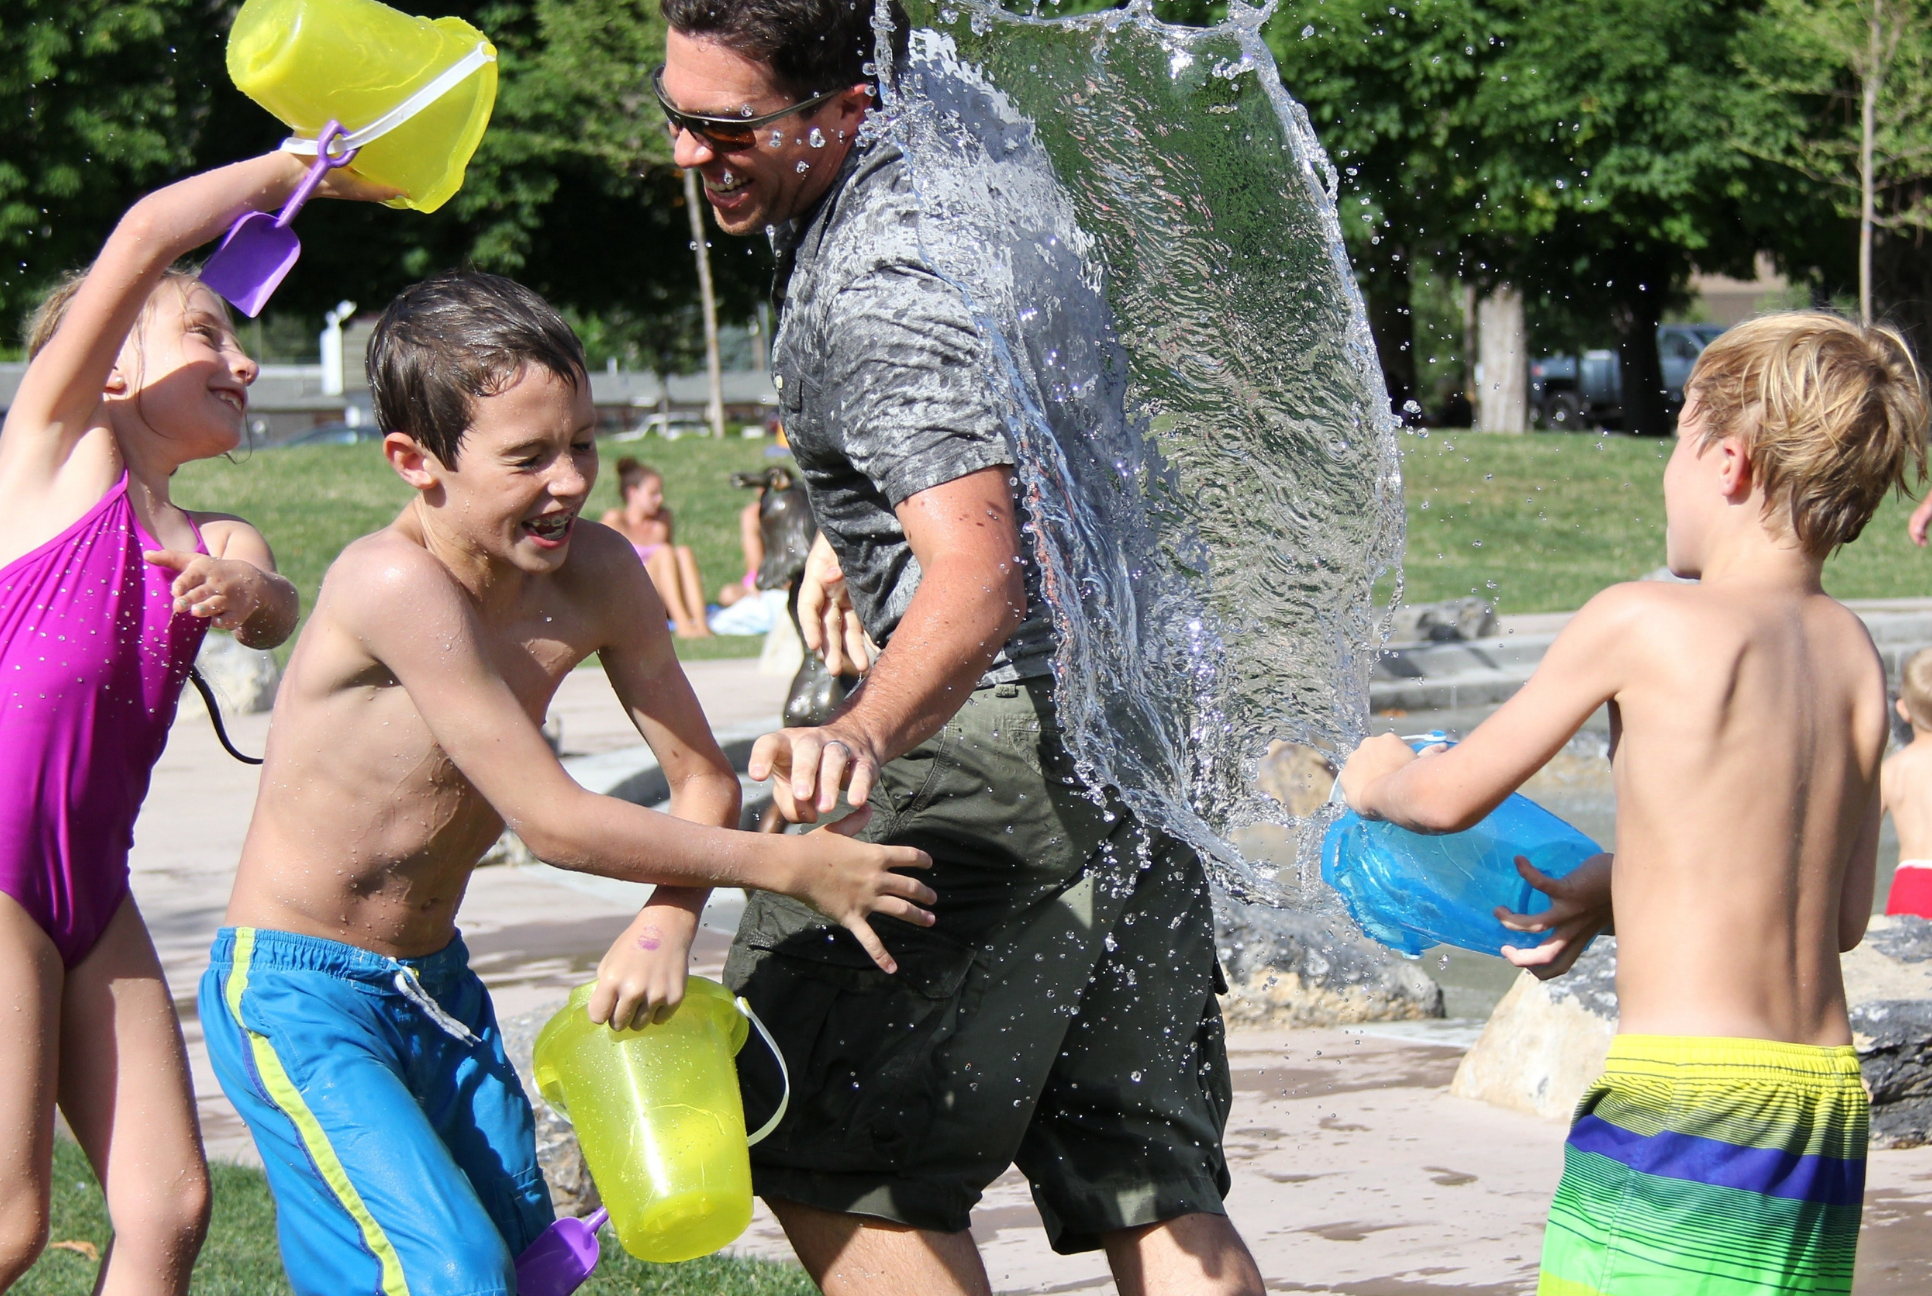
{"x": 106, "y": 589}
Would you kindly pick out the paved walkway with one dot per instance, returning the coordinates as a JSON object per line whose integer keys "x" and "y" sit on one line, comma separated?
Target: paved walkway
{"x": 1355, "y": 1172}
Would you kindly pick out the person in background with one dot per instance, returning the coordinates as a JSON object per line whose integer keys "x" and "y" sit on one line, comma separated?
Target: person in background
{"x": 645, "y": 520}
{"x": 752, "y": 540}
{"x": 1906, "y": 791}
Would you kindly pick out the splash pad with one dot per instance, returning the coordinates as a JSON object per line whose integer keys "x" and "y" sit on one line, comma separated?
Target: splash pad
{"x": 1142, "y": 221}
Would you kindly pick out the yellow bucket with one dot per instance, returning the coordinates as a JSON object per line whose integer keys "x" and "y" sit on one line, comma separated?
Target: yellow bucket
{"x": 364, "y": 64}
{"x": 658, "y": 1115}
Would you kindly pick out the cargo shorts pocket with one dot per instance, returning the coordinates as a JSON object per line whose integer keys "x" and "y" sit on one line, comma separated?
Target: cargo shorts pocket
{"x": 862, "y": 1046}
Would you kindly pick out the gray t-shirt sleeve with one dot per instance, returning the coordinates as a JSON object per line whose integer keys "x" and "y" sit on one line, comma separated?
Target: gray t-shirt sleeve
{"x": 912, "y": 405}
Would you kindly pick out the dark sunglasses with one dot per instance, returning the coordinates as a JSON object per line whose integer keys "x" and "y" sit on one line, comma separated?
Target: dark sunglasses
{"x": 726, "y": 132}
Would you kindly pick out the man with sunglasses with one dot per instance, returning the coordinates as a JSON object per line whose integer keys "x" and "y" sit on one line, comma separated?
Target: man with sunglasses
{"x": 1056, "y": 1017}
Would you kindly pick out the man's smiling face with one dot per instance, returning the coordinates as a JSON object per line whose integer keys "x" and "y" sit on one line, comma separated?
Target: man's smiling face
{"x": 793, "y": 161}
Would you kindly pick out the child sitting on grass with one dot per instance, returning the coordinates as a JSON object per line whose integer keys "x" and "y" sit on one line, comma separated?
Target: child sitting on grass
{"x": 1906, "y": 789}
{"x": 1723, "y": 1149}
{"x": 340, "y": 1012}
{"x": 106, "y": 590}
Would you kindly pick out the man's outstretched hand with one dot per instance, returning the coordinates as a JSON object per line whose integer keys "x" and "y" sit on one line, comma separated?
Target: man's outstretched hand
{"x": 811, "y": 767}
{"x": 1579, "y": 910}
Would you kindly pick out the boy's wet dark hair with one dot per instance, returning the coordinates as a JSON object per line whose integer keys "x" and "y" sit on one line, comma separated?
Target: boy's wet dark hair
{"x": 452, "y": 338}
{"x": 811, "y": 46}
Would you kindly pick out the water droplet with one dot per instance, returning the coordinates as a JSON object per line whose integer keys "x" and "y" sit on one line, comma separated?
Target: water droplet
{"x": 816, "y": 139}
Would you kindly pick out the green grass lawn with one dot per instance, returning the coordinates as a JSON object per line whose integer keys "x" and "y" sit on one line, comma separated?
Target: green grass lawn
{"x": 310, "y": 501}
{"x": 241, "y": 1259}
{"x": 1537, "y": 523}
{"x": 1540, "y": 523}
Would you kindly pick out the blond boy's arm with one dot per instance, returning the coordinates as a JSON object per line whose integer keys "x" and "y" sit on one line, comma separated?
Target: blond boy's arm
{"x": 1861, "y": 881}
{"x": 407, "y": 614}
{"x": 62, "y": 387}
{"x": 1451, "y": 790}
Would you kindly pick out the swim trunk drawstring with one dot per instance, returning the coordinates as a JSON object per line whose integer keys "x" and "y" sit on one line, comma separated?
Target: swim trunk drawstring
{"x": 410, "y": 986}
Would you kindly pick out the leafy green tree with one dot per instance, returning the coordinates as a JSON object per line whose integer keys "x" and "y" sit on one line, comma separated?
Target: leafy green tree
{"x": 571, "y": 191}
{"x": 1388, "y": 89}
{"x": 1846, "y": 100}
{"x": 99, "y": 100}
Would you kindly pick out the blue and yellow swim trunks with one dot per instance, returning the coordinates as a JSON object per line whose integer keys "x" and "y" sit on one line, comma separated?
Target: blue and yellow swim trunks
{"x": 1711, "y": 1167}
{"x": 397, "y": 1139}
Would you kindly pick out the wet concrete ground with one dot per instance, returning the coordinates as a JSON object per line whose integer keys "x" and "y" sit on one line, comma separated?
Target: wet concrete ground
{"x": 1354, "y": 1171}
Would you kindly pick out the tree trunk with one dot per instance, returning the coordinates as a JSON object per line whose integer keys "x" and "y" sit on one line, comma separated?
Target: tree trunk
{"x": 1392, "y": 323}
{"x": 1872, "y": 81}
{"x": 714, "y": 409}
{"x": 1645, "y": 408}
{"x": 1503, "y": 348}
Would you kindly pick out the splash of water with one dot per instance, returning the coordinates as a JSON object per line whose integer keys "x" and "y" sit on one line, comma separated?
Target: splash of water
{"x": 1145, "y": 226}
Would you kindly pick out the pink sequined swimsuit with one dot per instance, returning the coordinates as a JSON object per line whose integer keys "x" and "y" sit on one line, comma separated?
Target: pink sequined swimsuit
{"x": 92, "y": 660}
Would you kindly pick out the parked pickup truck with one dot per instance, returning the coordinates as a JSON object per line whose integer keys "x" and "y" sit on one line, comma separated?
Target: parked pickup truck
{"x": 1572, "y": 392}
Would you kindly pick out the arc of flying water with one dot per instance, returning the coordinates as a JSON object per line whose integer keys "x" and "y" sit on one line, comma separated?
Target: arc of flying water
{"x": 1144, "y": 226}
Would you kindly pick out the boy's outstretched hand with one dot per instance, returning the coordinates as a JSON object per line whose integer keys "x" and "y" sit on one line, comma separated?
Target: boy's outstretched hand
{"x": 849, "y": 880}
{"x": 1579, "y": 911}
{"x": 640, "y": 980}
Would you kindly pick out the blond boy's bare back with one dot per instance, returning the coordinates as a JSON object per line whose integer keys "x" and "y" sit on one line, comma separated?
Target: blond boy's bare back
{"x": 1750, "y": 724}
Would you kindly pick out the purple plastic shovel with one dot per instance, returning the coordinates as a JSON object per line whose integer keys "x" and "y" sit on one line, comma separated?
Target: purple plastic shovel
{"x": 261, "y": 249}
{"x": 563, "y": 1255}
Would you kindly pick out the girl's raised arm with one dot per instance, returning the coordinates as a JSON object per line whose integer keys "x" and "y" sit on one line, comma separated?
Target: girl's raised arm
{"x": 62, "y": 386}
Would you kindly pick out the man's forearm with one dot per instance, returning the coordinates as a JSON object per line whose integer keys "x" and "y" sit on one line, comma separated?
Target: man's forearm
{"x": 958, "y": 621}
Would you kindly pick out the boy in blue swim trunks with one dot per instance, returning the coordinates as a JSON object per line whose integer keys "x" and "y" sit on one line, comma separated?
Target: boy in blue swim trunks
{"x": 1722, "y": 1152}
{"x": 339, "y": 1009}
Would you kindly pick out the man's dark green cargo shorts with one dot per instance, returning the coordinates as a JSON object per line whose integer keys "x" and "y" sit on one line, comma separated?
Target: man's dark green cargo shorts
{"x": 1060, "y": 1016}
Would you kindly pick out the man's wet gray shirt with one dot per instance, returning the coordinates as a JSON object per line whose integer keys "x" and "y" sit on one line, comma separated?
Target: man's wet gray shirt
{"x": 882, "y": 382}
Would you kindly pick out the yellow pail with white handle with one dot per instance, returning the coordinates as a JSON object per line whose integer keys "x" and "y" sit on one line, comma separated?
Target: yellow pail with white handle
{"x": 413, "y": 94}
{"x": 657, "y": 1113}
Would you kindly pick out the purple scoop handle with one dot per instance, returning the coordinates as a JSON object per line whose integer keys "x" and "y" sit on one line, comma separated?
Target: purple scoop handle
{"x": 324, "y": 163}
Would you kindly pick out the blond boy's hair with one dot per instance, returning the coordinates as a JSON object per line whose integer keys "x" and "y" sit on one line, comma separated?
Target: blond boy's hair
{"x": 1915, "y": 687}
{"x": 47, "y": 316}
{"x": 1831, "y": 411}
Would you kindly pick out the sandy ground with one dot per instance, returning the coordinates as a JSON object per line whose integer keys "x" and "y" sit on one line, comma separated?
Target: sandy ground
{"x": 1354, "y": 1170}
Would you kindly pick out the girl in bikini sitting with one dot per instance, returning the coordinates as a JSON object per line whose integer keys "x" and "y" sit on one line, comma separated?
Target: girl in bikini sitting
{"x": 645, "y": 521}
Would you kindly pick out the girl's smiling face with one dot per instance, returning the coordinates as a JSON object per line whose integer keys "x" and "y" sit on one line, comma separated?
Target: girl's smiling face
{"x": 182, "y": 375}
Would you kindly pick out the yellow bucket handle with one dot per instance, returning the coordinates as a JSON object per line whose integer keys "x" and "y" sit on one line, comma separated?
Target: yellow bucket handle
{"x": 451, "y": 77}
{"x": 783, "y": 1074}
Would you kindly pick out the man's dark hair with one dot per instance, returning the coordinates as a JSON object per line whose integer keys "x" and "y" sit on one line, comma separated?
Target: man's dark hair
{"x": 457, "y": 336}
{"x": 811, "y": 46}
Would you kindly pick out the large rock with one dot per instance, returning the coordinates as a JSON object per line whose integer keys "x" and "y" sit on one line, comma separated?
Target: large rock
{"x": 1288, "y": 968}
{"x": 571, "y": 1190}
{"x": 244, "y": 679}
{"x": 1546, "y": 1040}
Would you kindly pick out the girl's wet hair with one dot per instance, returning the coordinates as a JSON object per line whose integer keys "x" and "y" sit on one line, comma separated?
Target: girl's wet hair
{"x": 1833, "y": 415}
{"x": 46, "y": 319}
{"x": 631, "y": 474}
{"x": 452, "y": 338}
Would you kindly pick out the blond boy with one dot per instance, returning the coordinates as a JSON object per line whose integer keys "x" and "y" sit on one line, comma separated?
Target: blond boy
{"x": 1723, "y": 1149}
{"x": 1905, "y": 787}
